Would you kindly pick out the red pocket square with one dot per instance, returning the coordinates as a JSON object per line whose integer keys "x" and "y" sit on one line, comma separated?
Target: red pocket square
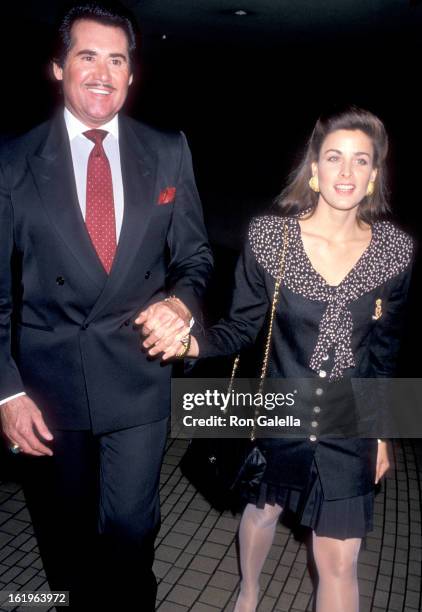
{"x": 167, "y": 195}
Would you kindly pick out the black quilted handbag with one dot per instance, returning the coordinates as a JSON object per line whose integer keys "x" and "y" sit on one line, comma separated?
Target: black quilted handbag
{"x": 221, "y": 468}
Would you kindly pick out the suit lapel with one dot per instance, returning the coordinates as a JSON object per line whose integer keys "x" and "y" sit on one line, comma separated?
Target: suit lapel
{"x": 53, "y": 174}
{"x": 139, "y": 166}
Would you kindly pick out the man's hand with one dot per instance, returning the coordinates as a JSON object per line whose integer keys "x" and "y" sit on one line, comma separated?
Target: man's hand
{"x": 383, "y": 461}
{"x": 20, "y": 419}
{"x": 164, "y": 324}
{"x": 192, "y": 352}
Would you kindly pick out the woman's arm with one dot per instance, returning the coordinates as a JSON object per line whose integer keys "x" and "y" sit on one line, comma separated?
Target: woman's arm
{"x": 247, "y": 313}
{"x": 384, "y": 349}
{"x": 246, "y": 316}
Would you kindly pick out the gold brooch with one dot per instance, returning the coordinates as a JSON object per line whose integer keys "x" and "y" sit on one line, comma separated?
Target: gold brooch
{"x": 378, "y": 309}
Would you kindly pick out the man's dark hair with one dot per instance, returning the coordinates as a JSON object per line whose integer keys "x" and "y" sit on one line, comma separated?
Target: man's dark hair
{"x": 105, "y": 14}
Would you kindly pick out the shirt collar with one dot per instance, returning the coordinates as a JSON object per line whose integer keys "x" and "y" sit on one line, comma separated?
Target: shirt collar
{"x": 77, "y": 128}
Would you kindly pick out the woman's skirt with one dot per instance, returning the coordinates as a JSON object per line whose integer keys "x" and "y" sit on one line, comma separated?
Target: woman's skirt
{"x": 340, "y": 518}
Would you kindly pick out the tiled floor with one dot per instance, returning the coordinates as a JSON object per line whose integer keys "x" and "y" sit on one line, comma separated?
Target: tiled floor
{"x": 196, "y": 559}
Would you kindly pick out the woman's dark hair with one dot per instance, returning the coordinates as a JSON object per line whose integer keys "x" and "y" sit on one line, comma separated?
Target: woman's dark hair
{"x": 297, "y": 196}
{"x": 106, "y": 14}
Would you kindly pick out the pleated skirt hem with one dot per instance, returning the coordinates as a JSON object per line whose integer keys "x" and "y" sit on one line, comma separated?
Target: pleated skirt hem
{"x": 341, "y": 519}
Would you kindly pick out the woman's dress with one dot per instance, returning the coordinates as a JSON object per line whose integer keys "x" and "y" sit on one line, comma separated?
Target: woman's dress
{"x": 327, "y": 333}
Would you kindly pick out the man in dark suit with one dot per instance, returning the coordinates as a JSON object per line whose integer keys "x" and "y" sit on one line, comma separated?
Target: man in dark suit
{"x": 100, "y": 220}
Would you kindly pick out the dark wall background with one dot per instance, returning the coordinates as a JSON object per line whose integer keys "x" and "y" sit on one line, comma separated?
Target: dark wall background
{"x": 247, "y": 105}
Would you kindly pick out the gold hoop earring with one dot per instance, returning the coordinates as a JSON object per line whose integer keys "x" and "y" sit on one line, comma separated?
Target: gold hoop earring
{"x": 371, "y": 188}
{"x": 313, "y": 184}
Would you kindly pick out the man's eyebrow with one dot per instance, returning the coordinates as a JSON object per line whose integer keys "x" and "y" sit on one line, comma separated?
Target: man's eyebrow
{"x": 86, "y": 52}
{"x": 92, "y": 52}
{"x": 121, "y": 55}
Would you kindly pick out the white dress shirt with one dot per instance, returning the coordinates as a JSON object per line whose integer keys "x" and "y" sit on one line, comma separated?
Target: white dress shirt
{"x": 81, "y": 147}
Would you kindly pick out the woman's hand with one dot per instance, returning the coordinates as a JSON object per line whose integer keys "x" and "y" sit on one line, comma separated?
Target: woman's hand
{"x": 383, "y": 461}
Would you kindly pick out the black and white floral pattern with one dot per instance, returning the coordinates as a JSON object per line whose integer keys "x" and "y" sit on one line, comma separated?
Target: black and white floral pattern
{"x": 388, "y": 254}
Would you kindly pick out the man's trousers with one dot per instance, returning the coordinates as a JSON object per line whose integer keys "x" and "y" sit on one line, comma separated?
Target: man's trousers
{"x": 95, "y": 511}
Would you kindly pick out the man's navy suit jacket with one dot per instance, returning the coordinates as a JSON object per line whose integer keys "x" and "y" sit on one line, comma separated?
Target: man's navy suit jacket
{"x": 67, "y": 335}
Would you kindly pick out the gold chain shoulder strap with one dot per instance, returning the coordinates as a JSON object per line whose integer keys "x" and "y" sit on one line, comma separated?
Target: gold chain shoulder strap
{"x": 274, "y": 302}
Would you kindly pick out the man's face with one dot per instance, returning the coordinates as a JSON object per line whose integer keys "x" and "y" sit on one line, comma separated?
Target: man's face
{"x": 96, "y": 73}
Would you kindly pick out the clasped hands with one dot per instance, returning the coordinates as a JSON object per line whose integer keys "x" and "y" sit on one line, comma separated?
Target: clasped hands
{"x": 166, "y": 327}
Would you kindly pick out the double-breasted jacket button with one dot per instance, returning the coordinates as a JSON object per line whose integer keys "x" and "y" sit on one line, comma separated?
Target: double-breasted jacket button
{"x": 60, "y": 280}
{"x": 322, "y": 373}
{"x": 147, "y": 275}
{"x": 317, "y": 409}
{"x": 314, "y": 424}
{"x": 319, "y": 391}
{"x": 313, "y": 438}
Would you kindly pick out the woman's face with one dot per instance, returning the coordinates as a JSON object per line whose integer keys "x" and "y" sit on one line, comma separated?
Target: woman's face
{"x": 344, "y": 168}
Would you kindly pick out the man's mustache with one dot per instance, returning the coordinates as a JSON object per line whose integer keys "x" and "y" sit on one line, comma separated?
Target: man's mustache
{"x": 100, "y": 85}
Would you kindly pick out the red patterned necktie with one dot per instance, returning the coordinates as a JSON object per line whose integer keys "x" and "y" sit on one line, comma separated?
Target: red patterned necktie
{"x": 99, "y": 218}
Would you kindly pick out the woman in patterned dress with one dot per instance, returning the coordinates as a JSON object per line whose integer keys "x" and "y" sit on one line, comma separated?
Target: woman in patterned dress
{"x": 346, "y": 275}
